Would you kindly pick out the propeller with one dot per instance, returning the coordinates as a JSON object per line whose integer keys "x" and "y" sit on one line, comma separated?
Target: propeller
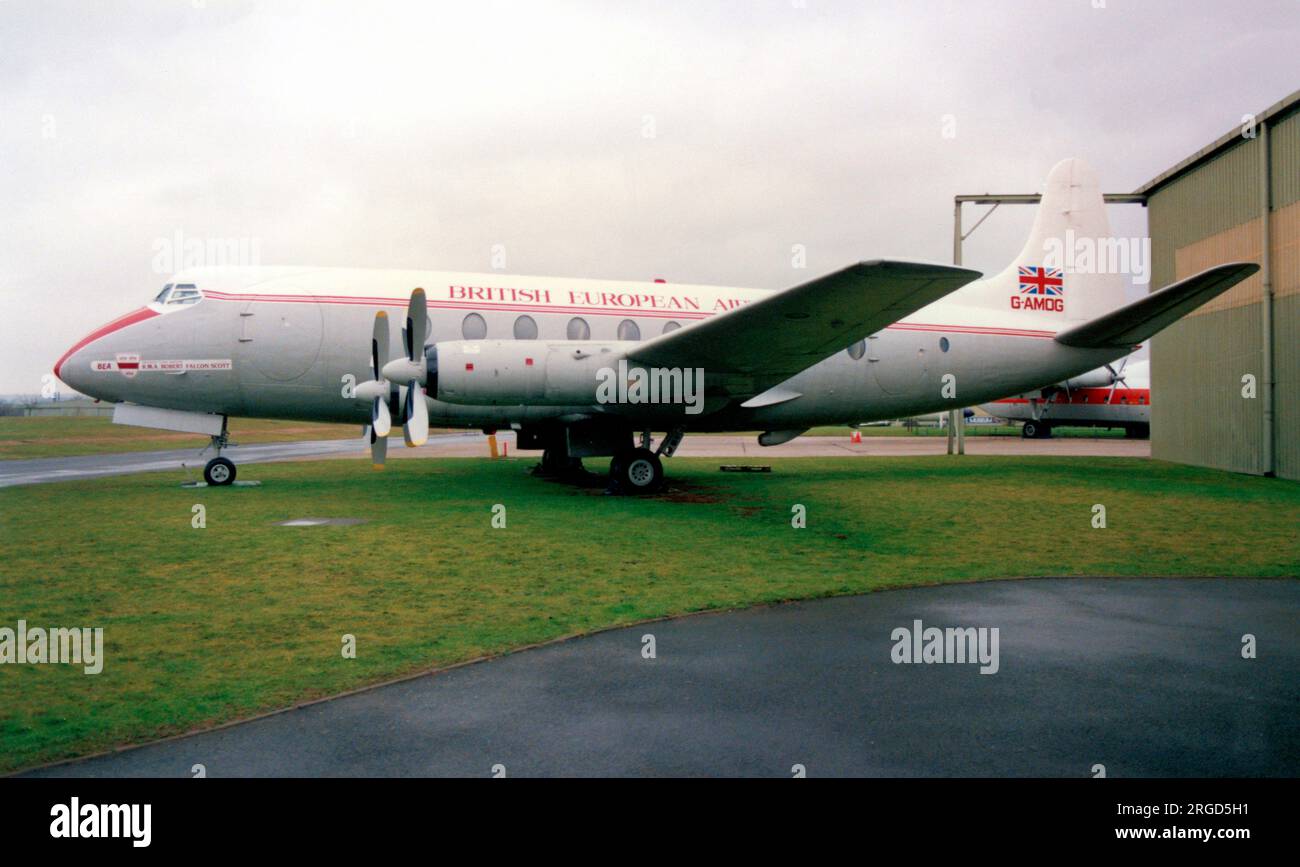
{"x": 382, "y": 390}
{"x": 377, "y": 390}
{"x": 413, "y": 370}
{"x": 1117, "y": 377}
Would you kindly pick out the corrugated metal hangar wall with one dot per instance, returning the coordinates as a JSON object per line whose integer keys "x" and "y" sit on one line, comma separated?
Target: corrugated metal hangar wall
{"x": 1218, "y": 206}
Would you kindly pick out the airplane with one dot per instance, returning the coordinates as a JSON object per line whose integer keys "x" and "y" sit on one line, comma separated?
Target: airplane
{"x": 583, "y": 368}
{"x": 1094, "y": 399}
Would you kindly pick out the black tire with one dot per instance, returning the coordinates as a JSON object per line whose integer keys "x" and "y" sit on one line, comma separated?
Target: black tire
{"x": 219, "y": 471}
{"x": 637, "y": 471}
{"x": 1036, "y": 430}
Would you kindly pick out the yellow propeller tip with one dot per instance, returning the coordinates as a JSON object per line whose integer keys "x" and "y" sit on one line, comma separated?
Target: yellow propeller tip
{"x": 380, "y": 314}
{"x": 376, "y": 466}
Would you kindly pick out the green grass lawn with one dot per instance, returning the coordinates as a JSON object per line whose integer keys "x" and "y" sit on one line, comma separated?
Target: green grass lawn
{"x": 61, "y": 436}
{"x": 207, "y": 625}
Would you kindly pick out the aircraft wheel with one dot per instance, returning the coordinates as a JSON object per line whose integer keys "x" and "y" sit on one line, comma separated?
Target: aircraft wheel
{"x": 637, "y": 471}
{"x": 1036, "y": 430}
{"x": 219, "y": 471}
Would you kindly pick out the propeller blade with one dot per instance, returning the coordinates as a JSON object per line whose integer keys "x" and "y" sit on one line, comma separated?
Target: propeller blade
{"x": 417, "y": 326}
{"x": 1117, "y": 376}
{"x": 380, "y": 420}
{"x": 378, "y": 451}
{"x": 379, "y": 345}
{"x": 415, "y": 430}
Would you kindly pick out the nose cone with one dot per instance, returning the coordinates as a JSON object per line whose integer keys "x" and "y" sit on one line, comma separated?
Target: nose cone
{"x": 75, "y": 366}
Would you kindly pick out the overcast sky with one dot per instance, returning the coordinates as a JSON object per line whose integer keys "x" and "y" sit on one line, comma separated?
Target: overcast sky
{"x": 695, "y": 141}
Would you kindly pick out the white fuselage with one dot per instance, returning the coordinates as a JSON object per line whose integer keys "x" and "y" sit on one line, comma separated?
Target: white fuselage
{"x": 283, "y": 343}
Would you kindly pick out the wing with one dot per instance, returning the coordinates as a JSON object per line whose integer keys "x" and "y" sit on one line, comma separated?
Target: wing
{"x": 768, "y": 341}
{"x": 1134, "y": 323}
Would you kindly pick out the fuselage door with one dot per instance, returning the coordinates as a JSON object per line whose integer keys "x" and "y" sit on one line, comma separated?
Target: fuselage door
{"x": 280, "y": 340}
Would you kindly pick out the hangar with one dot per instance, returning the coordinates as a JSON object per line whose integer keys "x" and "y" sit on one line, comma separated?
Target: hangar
{"x": 1228, "y": 374}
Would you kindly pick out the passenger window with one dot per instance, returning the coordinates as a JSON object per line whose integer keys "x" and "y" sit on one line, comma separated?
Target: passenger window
{"x": 578, "y": 329}
{"x": 473, "y": 327}
{"x": 628, "y": 330}
{"x": 671, "y": 326}
{"x": 525, "y": 328}
{"x": 858, "y": 350}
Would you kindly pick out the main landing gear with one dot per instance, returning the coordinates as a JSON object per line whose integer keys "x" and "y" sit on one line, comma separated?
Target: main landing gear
{"x": 640, "y": 470}
{"x": 635, "y": 468}
{"x": 637, "y": 471}
{"x": 1036, "y": 430}
{"x": 219, "y": 470}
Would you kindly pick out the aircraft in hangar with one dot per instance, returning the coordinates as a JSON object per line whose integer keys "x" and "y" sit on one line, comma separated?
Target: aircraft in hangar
{"x": 587, "y": 368}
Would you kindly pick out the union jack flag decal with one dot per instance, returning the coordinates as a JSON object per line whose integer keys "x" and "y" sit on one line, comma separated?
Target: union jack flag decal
{"x": 1041, "y": 281}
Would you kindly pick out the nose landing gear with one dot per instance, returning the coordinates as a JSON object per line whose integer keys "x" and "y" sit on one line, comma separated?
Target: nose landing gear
{"x": 219, "y": 470}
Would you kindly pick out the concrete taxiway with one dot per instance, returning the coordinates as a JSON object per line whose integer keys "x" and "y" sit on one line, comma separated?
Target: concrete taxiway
{"x": 1142, "y": 676}
{"x": 473, "y": 444}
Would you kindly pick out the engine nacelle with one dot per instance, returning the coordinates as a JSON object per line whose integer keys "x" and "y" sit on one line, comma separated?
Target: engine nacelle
{"x": 514, "y": 372}
{"x": 1099, "y": 378}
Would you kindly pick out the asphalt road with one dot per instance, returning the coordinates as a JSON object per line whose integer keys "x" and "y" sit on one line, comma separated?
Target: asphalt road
{"x": 36, "y": 471}
{"x": 1145, "y": 677}
{"x": 473, "y": 444}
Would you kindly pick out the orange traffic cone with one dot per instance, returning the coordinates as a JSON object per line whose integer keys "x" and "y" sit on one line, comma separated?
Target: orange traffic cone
{"x": 856, "y": 439}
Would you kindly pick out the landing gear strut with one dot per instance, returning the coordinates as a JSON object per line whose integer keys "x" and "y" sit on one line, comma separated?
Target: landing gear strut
{"x": 219, "y": 470}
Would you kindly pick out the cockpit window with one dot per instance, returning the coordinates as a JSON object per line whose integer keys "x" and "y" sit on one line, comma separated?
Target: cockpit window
{"x": 184, "y": 293}
{"x": 178, "y": 294}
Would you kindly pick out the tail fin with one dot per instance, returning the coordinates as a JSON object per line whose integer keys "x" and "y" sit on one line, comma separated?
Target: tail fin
{"x": 1048, "y": 284}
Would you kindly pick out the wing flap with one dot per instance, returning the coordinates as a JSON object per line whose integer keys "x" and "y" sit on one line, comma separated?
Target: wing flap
{"x": 1134, "y": 323}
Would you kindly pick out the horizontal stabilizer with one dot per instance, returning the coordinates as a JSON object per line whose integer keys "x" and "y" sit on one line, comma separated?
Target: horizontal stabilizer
{"x": 1134, "y": 323}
